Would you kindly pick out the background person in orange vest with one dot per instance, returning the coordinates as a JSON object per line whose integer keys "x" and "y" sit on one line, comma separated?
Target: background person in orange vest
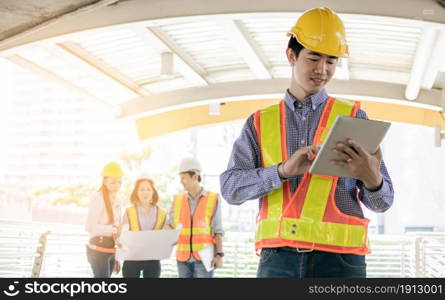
{"x": 144, "y": 214}
{"x": 199, "y": 212}
{"x": 103, "y": 218}
{"x": 308, "y": 225}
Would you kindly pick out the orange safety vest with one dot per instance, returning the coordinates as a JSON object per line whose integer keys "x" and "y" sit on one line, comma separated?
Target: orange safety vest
{"x": 133, "y": 218}
{"x": 309, "y": 218}
{"x": 196, "y": 232}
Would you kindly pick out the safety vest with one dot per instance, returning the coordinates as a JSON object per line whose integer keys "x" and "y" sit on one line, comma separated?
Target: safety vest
{"x": 133, "y": 218}
{"x": 309, "y": 218}
{"x": 196, "y": 230}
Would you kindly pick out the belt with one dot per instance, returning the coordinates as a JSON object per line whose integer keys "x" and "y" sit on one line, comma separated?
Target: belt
{"x": 102, "y": 249}
{"x": 298, "y": 250}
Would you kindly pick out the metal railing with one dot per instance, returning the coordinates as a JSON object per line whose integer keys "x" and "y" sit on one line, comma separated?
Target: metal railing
{"x": 30, "y": 249}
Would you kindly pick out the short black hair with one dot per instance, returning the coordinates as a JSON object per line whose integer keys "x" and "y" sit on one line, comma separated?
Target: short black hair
{"x": 295, "y": 46}
{"x": 191, "y": 173}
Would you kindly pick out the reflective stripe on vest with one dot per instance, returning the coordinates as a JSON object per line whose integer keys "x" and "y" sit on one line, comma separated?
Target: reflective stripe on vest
{"x": 269, "y": 126}
{"x": 196, "y": 231}
{"x": 133, "y": 218}
{"x": 310, "y": 218}
{"x": 101, "y": 249}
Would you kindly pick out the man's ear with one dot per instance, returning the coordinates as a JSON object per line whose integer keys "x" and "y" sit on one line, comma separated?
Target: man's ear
{"x": 290, "y": 56}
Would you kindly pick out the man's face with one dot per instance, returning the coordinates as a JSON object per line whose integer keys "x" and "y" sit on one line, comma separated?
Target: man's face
{"x": 311, "y": 70}
{"x": 188, "y": 181}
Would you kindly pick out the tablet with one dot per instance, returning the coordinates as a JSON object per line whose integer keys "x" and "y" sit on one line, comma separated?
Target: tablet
{"x": 368, "y": 133}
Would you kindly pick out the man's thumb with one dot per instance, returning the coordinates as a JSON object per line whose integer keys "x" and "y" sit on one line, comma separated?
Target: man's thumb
{"x": 378, "y": 154}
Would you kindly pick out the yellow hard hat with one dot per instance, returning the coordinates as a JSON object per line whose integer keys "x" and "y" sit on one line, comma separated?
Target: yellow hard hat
{"x": 112, "y": 169}
{"x": 321, "y": 30}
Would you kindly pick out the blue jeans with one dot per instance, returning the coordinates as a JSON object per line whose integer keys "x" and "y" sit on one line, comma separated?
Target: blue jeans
{"x": 101, "y": 263}
{"x": 194, "y": 269}
{"x": 287, "y": 262}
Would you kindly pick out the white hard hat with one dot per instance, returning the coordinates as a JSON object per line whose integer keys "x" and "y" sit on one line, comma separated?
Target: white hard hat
{"x": 190, "y": 164}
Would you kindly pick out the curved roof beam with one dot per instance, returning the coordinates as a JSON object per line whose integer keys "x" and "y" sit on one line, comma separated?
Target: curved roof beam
{"x": 185, "y": 118}
{"x": 46, "y": 74}
{"x": 424, "y": 53}
{"x": 186, "y": 60}
{"x": 254, "y": 89}
{"x": 107, "y": 70}
{"x": 246, "y": 47}
{"x": 113, "y": 12}
{"x": 436, "y": 62}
